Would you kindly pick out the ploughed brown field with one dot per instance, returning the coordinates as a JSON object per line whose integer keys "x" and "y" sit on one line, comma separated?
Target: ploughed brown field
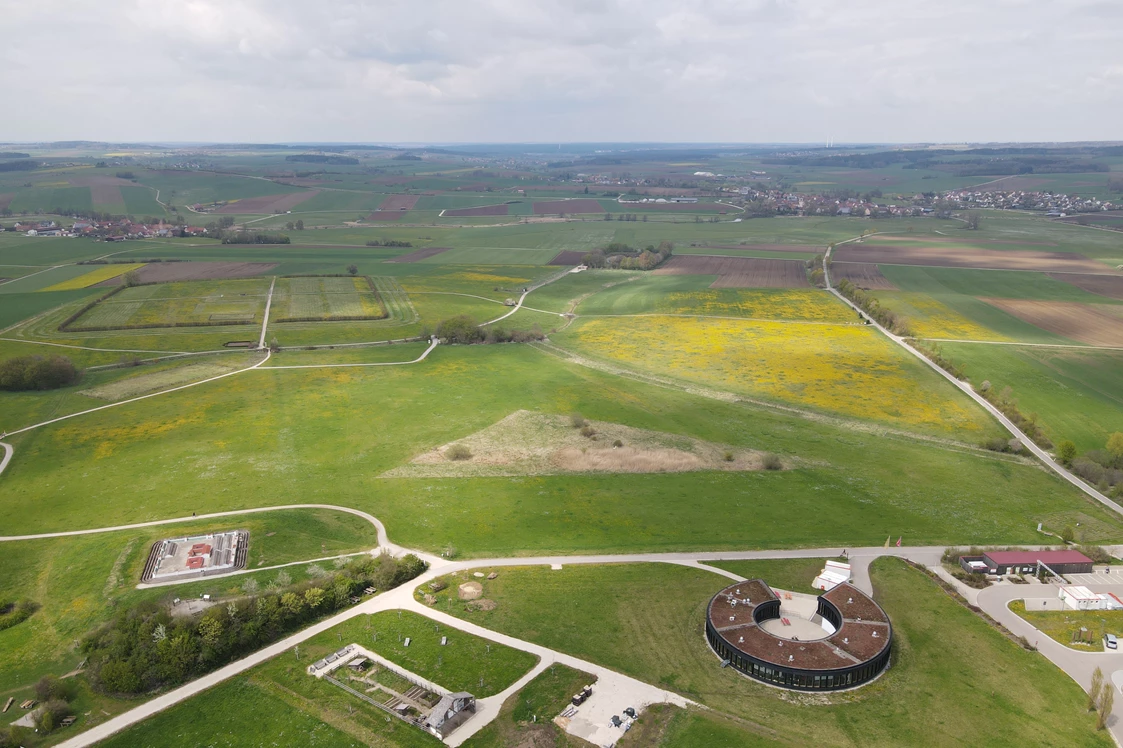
{"x": 1103, "y": 285}
{"x": 568, "y": 257}
{"x": 6, "y": 199}
{"x": 482, "y": 210}
{"x": 1094, "y": 324}
{"x": 418, "y": 255}
{"x": 268, "y": 204}
{"x": 581, "y": 205}
{"x": 739, "y": 272}
{"x": 864, "y": 275}
{"x": 104, "y": 190}
{"x": 955, "y": 240}
{"x": 394, "y": 207}
{"x": 802, "y": 248}
{"x": 169, "y": 272}
{"x": 959, "y": 256}
{"x": 683, "y": 207}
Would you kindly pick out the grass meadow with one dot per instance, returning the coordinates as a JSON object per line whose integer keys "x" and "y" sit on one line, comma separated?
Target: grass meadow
{"x": 847, "y": 370}
{"x": 271, "y": 437}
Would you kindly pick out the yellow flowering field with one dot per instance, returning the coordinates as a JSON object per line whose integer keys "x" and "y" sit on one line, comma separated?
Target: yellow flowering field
{"x": 929, "y": 318}
{"x": 759, "y": 303}
{"x": 842, "y": 369}
{"x": 103, "y": 273}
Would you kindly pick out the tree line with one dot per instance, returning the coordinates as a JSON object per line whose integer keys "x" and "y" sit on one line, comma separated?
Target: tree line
{"x": 620, "y": 256}
{"x": 145, "y": 648}
{"x": 37, "y": 372}
{"x": 463, "y": 330}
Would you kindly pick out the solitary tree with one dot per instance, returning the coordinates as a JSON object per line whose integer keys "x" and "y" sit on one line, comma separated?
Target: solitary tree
{"x": 972, "y": 220}
{"x": 353, "y": 269}
{"x": 1115, "y": 444}
{"x": 300, "y": 224}
{"x": 1096, "y": 687}
{"x": 1066, "y": 452}
{"x": 1107, "y": 700}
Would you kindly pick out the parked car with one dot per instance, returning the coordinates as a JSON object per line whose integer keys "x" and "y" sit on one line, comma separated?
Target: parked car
{"x": 1110, "y": 641}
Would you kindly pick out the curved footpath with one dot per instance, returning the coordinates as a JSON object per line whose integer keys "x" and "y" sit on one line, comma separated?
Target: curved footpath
{"x": 966, "y": 389}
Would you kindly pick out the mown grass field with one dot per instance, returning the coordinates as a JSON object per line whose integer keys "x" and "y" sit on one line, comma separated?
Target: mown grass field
{"x": 1077, "y": 394}
{"x": 847, "y": 370}
{"x": 942, "y": 652}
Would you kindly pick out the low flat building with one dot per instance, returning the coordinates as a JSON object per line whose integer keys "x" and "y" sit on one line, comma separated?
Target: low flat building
{"x": 1078, "y": 597}
{"x": 1026, "y": 562}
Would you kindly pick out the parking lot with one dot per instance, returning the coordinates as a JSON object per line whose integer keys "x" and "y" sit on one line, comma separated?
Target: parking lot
{"x": 1099, "y": 577}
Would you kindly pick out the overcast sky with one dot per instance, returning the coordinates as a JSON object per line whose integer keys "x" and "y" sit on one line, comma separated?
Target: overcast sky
{"x": 581, "y": 70}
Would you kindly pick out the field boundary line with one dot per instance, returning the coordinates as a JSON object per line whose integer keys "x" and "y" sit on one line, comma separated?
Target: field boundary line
{"x": 454, "y": 293}
{"x": 529, "y": 289}
{"x": 29, "y": 275}
{"x": 966, "y": 388}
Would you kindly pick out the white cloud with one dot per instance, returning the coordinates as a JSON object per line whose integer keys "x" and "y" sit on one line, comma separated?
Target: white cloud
{"x": 462, "y": 70}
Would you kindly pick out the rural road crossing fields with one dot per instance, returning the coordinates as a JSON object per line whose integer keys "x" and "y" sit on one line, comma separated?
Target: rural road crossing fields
{"x": 964, "y": 387}
{"x": 7, "y": 456}
{"x": 265, "y": 321}
{"x": 432, "y": 344}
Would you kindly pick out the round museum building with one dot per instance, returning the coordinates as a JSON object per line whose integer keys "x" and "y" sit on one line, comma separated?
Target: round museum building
{"x": 836, "y": 641}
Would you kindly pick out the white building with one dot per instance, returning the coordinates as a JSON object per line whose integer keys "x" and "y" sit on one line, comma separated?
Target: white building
{"x": 1078, "y": 597}
{"x": 833, "y": 574}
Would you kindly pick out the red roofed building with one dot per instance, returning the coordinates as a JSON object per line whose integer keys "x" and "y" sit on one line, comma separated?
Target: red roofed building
{"x": 1025, "y": 562}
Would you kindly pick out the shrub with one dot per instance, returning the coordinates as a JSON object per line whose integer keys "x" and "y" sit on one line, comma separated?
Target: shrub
{"x": 13, "y": 613}
{"x": 458, "y": 452}
{"x": 576, "y": 420}
{"x": 617, "y": 443}
{"x": 461, "y": 329}
{"x": 588, "y": 432}
{"x": 1066, "y": 452}
{"x": 728, "y": 456}
{"x": 50, "y": 687}
{"x": 771, "y": 462}
{"x": 37, "y": 373}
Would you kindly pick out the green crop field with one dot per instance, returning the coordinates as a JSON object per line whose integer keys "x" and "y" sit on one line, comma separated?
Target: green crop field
{"x": 591, "y": 612}
{"x": 1077, "y": 394}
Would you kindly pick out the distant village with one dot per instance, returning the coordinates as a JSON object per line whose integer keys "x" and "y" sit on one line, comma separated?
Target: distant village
{"x": 118, "y": 229}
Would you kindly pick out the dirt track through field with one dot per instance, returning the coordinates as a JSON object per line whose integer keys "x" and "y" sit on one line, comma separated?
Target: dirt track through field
{"x": 170, "y": 272}
{"x": 420, "y": 254}
{"x": 1102, "y": 285}
{"x": 268, "y": 204}
{"x": 962, "y": 256}
{"x": 581, "y": 205}
{"x": 739, "y": 272}
{"x": 1091, "y": 324}
{"x": 864, "y": 275}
